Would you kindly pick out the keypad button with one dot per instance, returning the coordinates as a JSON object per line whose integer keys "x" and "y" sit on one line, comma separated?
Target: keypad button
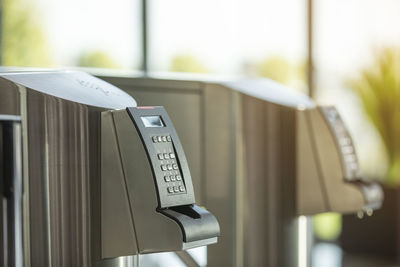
{"x": 347, "y": 149}
{"x": 166, "y": 155}
{"x": 170, "y": 189}
{"x": 167, "y": 179}
{"x": 169, "y": 138}
{"x": 178, "y": 177}
{"x": 176, "y": 189}
{"x": 182, "y": 188}
{"x": 175, "y": 166}
{"x": 160, "y": 156}
{"x": 344, "y": 141}
{"x": 173, "y": 178}
{"x": 339, "y": 128}
{"x": 332, "y": 115}
{"x": 353, "y": 166}
{"x": 169, "y": 166}
{"x": 172, "y": 155}
{"x": 154, "y": 139}
{"x": 159, "y": 139}
{"x": 164, "y": 139}
{"x": 350, "y": 158}
{"x": 163, "y": 167}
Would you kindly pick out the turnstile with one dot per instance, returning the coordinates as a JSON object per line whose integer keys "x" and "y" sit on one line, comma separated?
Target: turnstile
{"x": 262, "y": 155}
{"x": 95, "y": 186}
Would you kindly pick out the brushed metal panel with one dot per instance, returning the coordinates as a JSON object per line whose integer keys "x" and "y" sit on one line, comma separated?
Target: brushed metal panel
{"x": 270, "y": 152}
{"x": 59, "y": 180}
{"x": 220, "y": 172}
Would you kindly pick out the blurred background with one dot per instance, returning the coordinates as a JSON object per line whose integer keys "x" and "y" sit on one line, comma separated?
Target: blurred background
{"x": 345, "y": 53}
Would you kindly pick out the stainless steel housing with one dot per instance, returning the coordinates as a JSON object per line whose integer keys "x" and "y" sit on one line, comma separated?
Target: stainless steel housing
{"x": 60, "y": 114}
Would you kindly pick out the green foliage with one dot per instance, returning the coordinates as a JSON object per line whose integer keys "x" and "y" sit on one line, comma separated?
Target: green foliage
{"x": 327, "y": 226}
{"x": 281, "y": 70}
{"x": 23, "y": 41}
{"x": 188, "y": 63}
{"x": 97, "y": 59}
{"x": 379, "y": 90}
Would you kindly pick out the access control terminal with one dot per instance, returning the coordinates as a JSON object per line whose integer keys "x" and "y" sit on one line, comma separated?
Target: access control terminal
{"x": 147, "y": 197}
{"x": 169, "y": 164}
{"x": 344, "y": 142}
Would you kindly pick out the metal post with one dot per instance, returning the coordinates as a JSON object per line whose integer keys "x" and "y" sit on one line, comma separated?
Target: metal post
{"x": 310, "y": 58}
{"x": 144, "y": 38}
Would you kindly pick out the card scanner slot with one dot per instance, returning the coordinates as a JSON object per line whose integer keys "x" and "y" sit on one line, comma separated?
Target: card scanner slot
{"x": 196, "y": 223}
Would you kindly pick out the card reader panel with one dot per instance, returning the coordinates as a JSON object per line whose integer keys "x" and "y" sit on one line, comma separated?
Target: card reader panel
{"x": 343, "y": 141}
{"x": 168, "y": 161}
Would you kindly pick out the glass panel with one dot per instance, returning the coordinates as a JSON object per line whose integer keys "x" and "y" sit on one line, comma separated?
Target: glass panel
{"x": 255, "y": 38}
{"x": 89, "y": 33}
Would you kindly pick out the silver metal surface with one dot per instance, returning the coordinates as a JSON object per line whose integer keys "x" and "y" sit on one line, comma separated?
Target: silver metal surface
{"x": 187, "y": 259}
{"x": 17, "y": 195}
{"x": 74, "y": 86}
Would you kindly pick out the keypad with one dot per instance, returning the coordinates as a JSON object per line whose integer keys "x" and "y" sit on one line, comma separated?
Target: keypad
{"x": 172, "y": 176}
{"x": 161, "y": 138}
{"x": 344, "y": 140}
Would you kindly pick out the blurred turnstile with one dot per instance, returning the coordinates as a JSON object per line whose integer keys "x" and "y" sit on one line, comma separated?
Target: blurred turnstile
{"x": 248, "y": 146}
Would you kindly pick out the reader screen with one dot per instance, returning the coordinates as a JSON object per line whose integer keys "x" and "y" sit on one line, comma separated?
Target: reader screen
{"x": 152, "y": 121}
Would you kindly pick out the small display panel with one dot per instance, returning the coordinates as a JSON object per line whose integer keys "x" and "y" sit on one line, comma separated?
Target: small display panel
{"x": 152, "y": 121}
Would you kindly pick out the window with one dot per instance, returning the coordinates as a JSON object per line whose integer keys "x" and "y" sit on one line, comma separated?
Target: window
{"x": 88, "y": 33}
{"x": 254, "y": 38}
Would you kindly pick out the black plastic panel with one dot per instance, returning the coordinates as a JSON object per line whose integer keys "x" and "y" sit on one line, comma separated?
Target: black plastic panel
{"x": 165, "y": 153}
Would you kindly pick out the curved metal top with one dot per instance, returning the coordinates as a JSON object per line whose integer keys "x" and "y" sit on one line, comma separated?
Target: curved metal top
{"x": 272, "y": 91}
{"x": 75, "y": 86}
